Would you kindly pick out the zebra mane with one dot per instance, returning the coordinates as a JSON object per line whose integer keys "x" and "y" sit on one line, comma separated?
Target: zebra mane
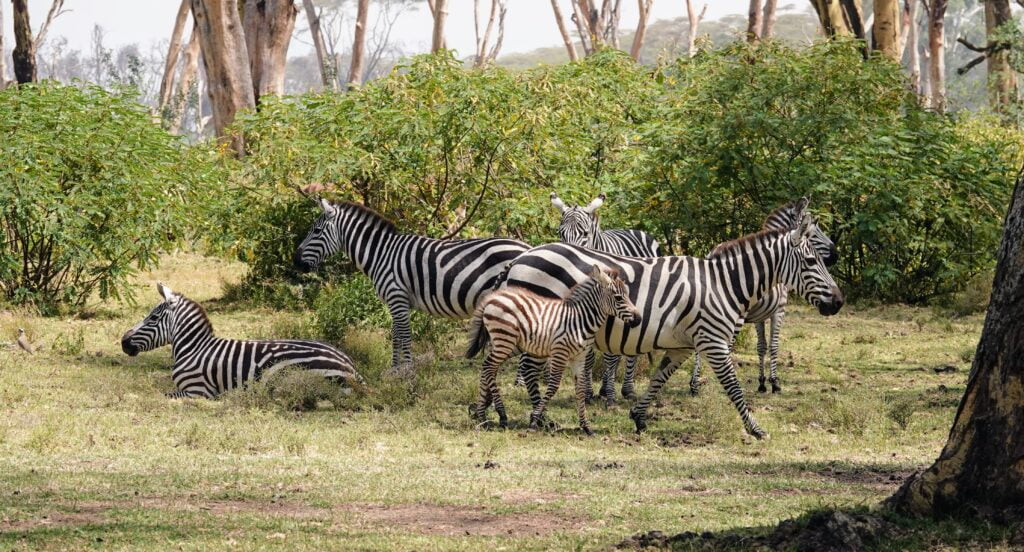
{"x": 724, "y": 249}
{"x": 205, "y": 320}
{"x": 786, "y": 212}
{"x": 580, "y": 290}
{"x": 370, "y": 213}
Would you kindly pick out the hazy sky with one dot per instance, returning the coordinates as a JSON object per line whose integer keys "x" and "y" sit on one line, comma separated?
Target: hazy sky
{"x": 529, "y": 23}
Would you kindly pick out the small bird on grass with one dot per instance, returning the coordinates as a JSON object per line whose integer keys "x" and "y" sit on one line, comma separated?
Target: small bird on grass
{"x": 23, "y": 342}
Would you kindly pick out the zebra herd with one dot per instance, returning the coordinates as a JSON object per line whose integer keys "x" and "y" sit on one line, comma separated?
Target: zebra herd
{"x": 603, "y": 290}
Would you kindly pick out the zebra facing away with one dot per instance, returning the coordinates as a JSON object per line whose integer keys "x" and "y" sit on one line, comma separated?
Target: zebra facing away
{"x": 559, "y": 329}
{"x": 206, "y": 365}
{"x": 687, "y": 303}
{"x": 772, "y": 307}
{"x": 440, "y": 277}
{"x": 580, "y": 226}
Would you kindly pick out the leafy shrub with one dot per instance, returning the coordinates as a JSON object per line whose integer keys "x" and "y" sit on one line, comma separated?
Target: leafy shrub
{"x": 90, "y": 191}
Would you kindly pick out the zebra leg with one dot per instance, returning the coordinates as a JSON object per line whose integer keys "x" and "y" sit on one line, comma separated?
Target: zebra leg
{"x": 720, "y": 358}
{"x": 695, "y": 377}
{"x": 762, "y": 348}
{"x": 628, "y": 391}
{"x": 500, "y": 350}
{"x": 668, "y": 366}
{"x": 773, "y": 350}
{"x": 555, "y": 367}
{"x": 581, "y": 405}
{"x": 401, "y": 338}
{"x": 588, "y": 375}
{"x": 611, "y": 366}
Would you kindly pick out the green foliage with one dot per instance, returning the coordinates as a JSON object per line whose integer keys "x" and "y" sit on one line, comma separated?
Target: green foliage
{"x": 90, "y": 191}
{"x": 289, "y": 389}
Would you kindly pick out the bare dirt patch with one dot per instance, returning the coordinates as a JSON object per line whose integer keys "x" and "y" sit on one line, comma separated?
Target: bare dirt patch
{"x": 85, "y": 515}
{"x": 880, "y": 479}
{"x": 522, "y": 496}
{"x": 433, "y": 519}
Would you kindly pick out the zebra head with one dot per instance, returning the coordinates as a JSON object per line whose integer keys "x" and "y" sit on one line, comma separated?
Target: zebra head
{"x": 156, "y": 329}
{"x": 579, "y": 225}
{"x": 322, "y": 241}
{"x": 809, "y": 275}
{"x": 789, "y": 216}
{"x": 614, "y": 296}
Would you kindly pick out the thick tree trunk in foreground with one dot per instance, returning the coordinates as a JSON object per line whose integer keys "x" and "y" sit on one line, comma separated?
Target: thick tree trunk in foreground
{"x": 768, "y": 19}
{"x": 226, "y": 60}
{"x": 328, "y": 70}
{"x": 981, "y": 468}
{"x": 641, "y": 28}
{"x": 268, "y": 32}
{"x": 570, "y": 47}
{"x": 173, "y": 52}
{"x": 24, "y": 55}
{"x": 355, "y": 71}
{"x": 440, "y": 9}
{"x": 1002, "y": 82}
{"x": 937, "y": 54}
{"x": 754, "y": 21}
{"x": 840, "y": 17}
{"x": 885, "y": 31}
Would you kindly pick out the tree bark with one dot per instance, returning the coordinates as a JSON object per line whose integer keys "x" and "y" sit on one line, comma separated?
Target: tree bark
{"x": 189, "y": 68}
{"x": 937, "y": 54}
{"x": 914, "y": 56}
{"x": 570, "y": 47}
{"x": 981, "y": 468}
{"x": 24, "y": 56}
{"x": 328, "y": 71}
{"x": 1002, "y": 83}
{"x": 641, "y": 27}
{"x": 885, "y": 31}
{"x": 229, "y": 82}
{"x": 582, "y": 26}
{"x": 268, "y": 32}
{"x": 768, "y": 19}
{"x": 173, "y": 52}
{"x": 355, "y": 72}
{"x": 693, "y": 20}
{"x": 440, "y": 9}
{"x": 840, "y": 17}
{"x": 754, "y": 21}
{"x": 904, "y": 27}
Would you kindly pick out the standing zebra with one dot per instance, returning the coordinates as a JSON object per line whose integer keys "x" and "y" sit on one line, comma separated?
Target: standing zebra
{"x": 559, "y": 329}
{"x": 441, "y": 277}
{"x": 687, "y": 303}
{"x": 206, "y": 365}
{"x": 772, "y": 307}
{"x": 580, "y": 226}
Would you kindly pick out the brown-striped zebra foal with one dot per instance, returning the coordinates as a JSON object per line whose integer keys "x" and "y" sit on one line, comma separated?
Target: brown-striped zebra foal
{"x": 560, "y": 329}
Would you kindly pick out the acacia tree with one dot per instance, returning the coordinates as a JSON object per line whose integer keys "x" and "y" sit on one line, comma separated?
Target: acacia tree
{"x": 440, "y": 10}
{"x": 936, "y": 10}
{"x": 641, "y": 28}
{"x": 328, "y": 64}
{"x": 693, "y": 20}
{"x": 1002, "y": 81}
{"x": 840, "y": 17}
{"x": 25, "y": 46}
{"x": 485, "y": 50}
{"x": 226, "y": 59}
{"x": 173, "y": 53}
{"x": 570, "y": 47}
{"x": 768, "y": 19}
{"x": 355, "y": 72}
{"x": 268, "y": 32}
{"x": 885, "y": 31}
{"x": 754, "y": 21}
{"x": 979, "y": 469}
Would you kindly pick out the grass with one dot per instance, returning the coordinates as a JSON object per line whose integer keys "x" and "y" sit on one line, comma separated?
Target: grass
{"x": 93, "y": 455}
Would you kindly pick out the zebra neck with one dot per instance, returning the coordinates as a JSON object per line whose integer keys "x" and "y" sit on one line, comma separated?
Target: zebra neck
{"x": 753, "y": 273}
{"x": 191, "y": 335}
{"x": 364, "y": 239}
{"x": 584, "y": 304}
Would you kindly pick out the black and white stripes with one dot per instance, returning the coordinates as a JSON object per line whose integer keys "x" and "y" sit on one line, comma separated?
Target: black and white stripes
{"x": 206, "y": 365}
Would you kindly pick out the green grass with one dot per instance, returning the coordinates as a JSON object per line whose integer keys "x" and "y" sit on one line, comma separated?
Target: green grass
{"x": 93, "y": 455}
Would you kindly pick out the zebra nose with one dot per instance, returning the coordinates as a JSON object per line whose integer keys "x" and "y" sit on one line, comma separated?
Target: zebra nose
{"x": 301, "y": 264}
{"x": 833, "y": 256}
{"x": 126, "y": 345}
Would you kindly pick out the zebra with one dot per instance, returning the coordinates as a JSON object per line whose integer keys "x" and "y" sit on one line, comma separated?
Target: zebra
{"x": 772, "y": 307}
{"x": 441, "y": 277}
{"x": 580, "y": 226}
{"x": 206, "y": 365}
{"x": 561, "y": 330}
{"x": 687, "y": 304}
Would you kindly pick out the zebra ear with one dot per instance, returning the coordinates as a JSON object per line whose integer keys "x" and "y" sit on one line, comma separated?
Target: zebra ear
{"x": 326, "y": 205}
{"x": 801, "y": 207}
{"x": 595, "y": 273}
{"x": 598, "y": 201}
{"x": 803, "y": 231}
{"x": 557, "y": 202}
{"x": 165, "y": 292}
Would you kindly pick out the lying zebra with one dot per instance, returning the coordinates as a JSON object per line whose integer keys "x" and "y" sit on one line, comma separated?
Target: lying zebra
{"x": 561, "y": 330}
{"x": 206, "y": 365}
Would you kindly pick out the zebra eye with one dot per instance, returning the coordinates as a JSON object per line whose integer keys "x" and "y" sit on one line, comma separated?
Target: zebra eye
{"x": 811, "y": 260}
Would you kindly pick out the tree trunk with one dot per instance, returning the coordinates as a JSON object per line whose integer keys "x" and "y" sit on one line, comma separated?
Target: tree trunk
{"x": 754, "y": 21}
{"x": 981, "y": 468}
{"x": 840, "y": 17}
{"x": 355, "y": 72}
{"x": 24, "y": 56}
{"x": 268, "y": 32}
{"x": 1002, "y": 83}
{"x": 885, "y": 31}
{"x": 3, "y": 50}
{"x": 768, "y": 19}
{"x": 937, "y": 55}
{"x": 914, "y": 56}
{"x": 693, "y": 20}
{"x": 173, "y": 52}
{"x": 328, "y": 72}
{"x": 189, "y": 68}
{"x": 641, "y": 27}
{"x": 581, "y": 17}
{"x": 226, "y": 60}
{"x": 569, "y": 46}
{"x": 440, "y": 13}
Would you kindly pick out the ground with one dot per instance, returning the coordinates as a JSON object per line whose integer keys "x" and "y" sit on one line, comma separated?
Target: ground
{"x": 93, "y": 455}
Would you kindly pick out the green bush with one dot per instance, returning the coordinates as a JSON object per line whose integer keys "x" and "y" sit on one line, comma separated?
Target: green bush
{"x": 90, "y": 191}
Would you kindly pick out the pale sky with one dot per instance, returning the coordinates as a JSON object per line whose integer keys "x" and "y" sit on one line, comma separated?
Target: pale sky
{"x": 529, "y": 23}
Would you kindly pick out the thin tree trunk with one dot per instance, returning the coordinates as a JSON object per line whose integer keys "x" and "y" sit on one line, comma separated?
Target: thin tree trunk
{"x": 24, "y": 53}
{"x": 355, "y": 72}
{"x": 914, "y": 56}
{"x": 1002, "y": 83}
{"x": 440, "y": 13}
{"x": 328, "y": 72}
{"x": 754, "y": 21}
{"x": 189, "y": 67}
{"x": 3, "y": 50}
{"x": 482, "y": 42}
{"x": 641, "y": 28}
{"x": 693, "y": 20}
{"x": 268, "y": 32}
{"x": 226, "y": 59}
{"x": 581, "y": 17}
{"x": 980, "y": 468}
{"x": 937, "y": 55}
{"x": 885, "y": 31}
{"x": 570, "y": 47}
{"x": 173, "y": 53}
{"x": 904, "y": 28}
{"x": 768, "y": 19}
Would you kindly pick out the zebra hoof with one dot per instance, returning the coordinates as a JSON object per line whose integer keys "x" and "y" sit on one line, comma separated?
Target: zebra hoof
{"x": 694, "y": 391}
{"x": 628, "y": 393}
{"x": 587, "y": 431}
{"x": 638, "y": 420}
{"x": 776, "y": 388}
{"x": 758, "y": 433}
{"x": 503, "y": 422}
{"x": 762, "y": 389}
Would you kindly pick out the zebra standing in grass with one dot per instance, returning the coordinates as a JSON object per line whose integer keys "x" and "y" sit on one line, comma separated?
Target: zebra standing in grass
{"x": 441, "y": 277}
{"x": 772, "y": 307}
{"x": 206, "y": 365}
{"x": 580, "y": 226}
{"x": 558, "y": 329}
{"x": 687, "y": 303}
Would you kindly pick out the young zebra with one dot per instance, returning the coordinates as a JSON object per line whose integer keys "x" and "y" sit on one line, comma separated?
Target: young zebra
{"x": 580, "y": 226}
{"x": 772, "y": 307}
{"x": 441, "y": 277}
{"x": 687, "y": 303}
{"x": 561, "y": 330}
{"x": 206, "y": 365}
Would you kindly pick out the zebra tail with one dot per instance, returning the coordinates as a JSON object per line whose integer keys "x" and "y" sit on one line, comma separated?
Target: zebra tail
{"x": 478, "y": 335}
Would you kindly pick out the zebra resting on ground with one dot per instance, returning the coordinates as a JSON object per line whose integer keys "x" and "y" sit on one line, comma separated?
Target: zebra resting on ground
{"x": 687, "y": 303}
{"x": 580, "y": 226}
{"x": 772, "y": 307}
{"x": 559, "y": 329}
{"x": 440, "y": 277}
{"x": 206, "y": 365}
